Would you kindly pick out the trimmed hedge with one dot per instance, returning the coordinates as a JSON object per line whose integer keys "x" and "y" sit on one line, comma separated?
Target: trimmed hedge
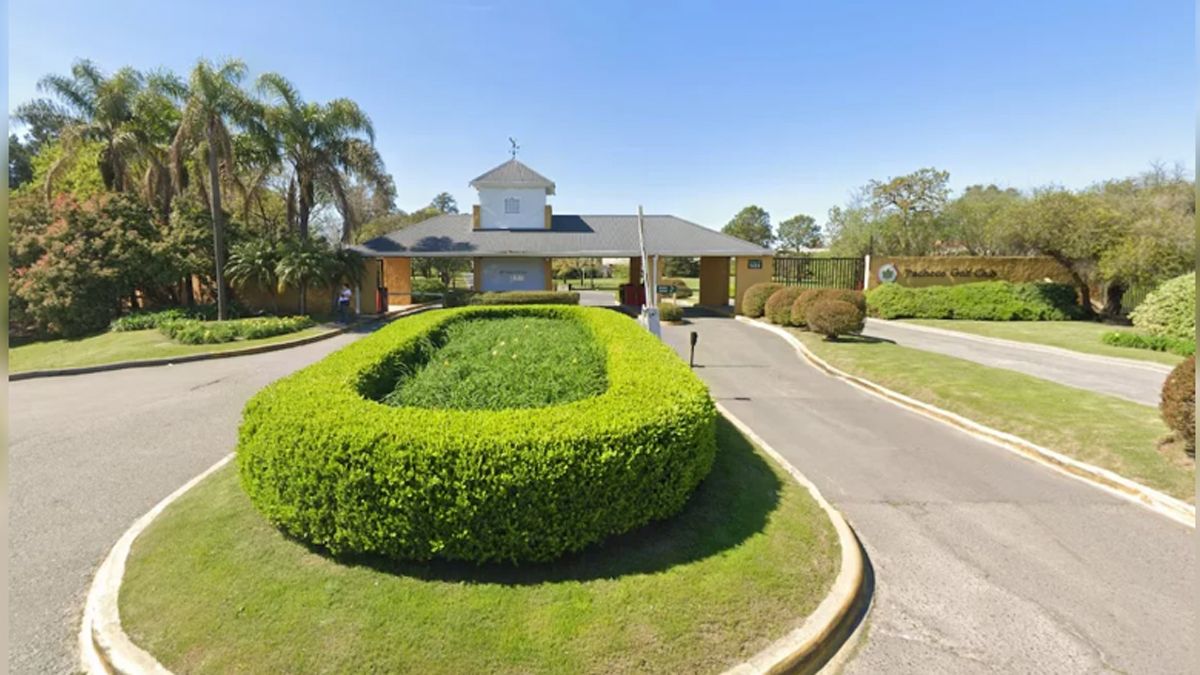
{"x": 813, "y": 295}
{"x": 1178, "y": 404}
{"x": 525, "y": 298}
{"x": 778, "y": 309}
{"x": 1170, "y": 309}
{"x": 985, "y": 301}
{"x": 143, "y": 320}
{"x": 196, "y": 332}
{"x": 1158, "y": 343}
{"x": 832, "y": 318}
{"x": 669, "y": 311}
{"x": 320, "y": 457}
{"x": 754, "y": 302}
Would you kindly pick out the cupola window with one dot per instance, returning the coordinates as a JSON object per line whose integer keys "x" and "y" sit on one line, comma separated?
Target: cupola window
{"x": 512, "y": 205}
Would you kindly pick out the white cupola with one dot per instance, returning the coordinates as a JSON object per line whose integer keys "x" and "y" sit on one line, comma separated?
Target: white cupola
{"x": 512, "y": 196}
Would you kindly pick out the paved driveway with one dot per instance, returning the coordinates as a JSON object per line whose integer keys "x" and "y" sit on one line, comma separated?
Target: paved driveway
{"x": 984, "y": 562}
{"x": 88, "y": 455}
{"x": 1140, "y": 382}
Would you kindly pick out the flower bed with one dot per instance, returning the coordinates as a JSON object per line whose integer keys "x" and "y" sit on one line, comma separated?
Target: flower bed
{"x": 323, "y": 458}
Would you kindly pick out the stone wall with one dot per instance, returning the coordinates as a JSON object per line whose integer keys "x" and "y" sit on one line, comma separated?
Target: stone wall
{"x": 951, "y": 270}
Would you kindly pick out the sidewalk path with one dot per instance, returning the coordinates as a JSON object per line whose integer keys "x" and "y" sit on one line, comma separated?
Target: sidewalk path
{"x": 1140, "y": 382}
{"x": 984, "y": 562}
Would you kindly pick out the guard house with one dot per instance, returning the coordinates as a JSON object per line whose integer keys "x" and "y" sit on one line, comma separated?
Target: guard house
{"x": 512, "y": 234}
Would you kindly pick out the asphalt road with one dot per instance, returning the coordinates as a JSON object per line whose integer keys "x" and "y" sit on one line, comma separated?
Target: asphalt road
{"x": 1132, "y": 380}
{"x": 984, "y": 562}
{"x": 88, "y": 455}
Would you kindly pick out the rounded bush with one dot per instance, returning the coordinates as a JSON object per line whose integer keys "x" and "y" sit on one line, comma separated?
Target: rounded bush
{"x": 669, "y": 311}
{"x": 1178, "y": 404}
{"x": 779, "y": 306}
{"x": 832, "y": 318}
{"x": 754, "y": 302}
{"x": 813, "y": 295}
{"x": 1170, "y": 309}
{"x": 681, "y": 288}
{"x": 322, "y": 458}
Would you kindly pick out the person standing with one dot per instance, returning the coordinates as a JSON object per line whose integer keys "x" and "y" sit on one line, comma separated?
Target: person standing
{"x": 344, "y": 303}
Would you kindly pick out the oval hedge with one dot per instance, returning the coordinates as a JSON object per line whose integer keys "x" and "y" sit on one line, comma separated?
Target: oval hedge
{"x": 321, "y": 458}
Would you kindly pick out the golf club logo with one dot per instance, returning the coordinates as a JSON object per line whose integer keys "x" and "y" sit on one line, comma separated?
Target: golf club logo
{"x": 888, "y": 273}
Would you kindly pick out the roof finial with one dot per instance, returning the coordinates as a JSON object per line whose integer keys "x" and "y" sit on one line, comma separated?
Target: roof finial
{"x": 513, "y": 150}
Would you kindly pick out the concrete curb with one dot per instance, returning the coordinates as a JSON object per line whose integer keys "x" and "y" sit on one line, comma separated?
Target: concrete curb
{"x": 826, "y": 630}
{"x": 1028, "y": 346}
{"x": 103, "y": 646}
{"x": 1113, "y": 483}
{"x": 170, "y": 361}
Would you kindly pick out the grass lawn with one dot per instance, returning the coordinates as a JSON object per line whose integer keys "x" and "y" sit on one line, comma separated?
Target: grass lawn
{"x": 124, "y": 346}
{"x": 211, "y": 586}
{"x": 1103, "y": 430}
{"x": 614, "y": 283}
{"x": 1081, "y": 336}
{"x": 517, "y": 362}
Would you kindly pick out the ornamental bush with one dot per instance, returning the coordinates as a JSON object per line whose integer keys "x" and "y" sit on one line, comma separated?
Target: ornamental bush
{"x": 669, "y": 311}
{"x": 813, "y": 295}
{"x": 1169, "y": 309}
{"x": 832, "y": 318}
{"x": 987, "y": 301}
{"x": 525, "y": 298}
{"x": 754, "y": 302}
{"x": 196, "y": 332}
{"x": 323, "y": 459}
{"x": 779, "y": 306}
{"x": 1158, "y": 343}
{"x": 1178, "y": 404}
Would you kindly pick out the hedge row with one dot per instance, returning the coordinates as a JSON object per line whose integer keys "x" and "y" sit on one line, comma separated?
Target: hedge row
{"x": 1169, "y": 310}
{"x": 460, "y": 298}
{"x": 1158, "y": 343}
{"x": 1178, "y": 404}
{"x": 323, "y": 459}
{"x": 196, "y": 332}
{"x": 143, "y": 320}
{"x": 987, "y": 301}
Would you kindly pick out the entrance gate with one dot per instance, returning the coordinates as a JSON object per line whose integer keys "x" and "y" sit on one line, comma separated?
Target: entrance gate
{"x": 820, "y": 272}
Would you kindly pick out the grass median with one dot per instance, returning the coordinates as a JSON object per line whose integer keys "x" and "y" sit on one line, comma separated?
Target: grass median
{"x": 1106, "y": 431}
{"x": 211, "y": 586}
{"x": 116, "y": 347}
{"x": 1080, "y": 336}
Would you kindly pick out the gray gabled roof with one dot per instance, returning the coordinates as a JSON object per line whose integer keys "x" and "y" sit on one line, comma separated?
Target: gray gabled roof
{"x": 450, "y": 235}
{"x": 513, "y": 174}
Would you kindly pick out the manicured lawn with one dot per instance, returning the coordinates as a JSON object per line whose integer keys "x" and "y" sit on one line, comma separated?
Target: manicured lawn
{"x": 125, "y": 346}
{"x": 212, "y": 587}
{"x": 1103, "y": 430}
{"x": 518, "y": 362}
{"x": 614, "y": 283}
{"x": 1081, "y": 336}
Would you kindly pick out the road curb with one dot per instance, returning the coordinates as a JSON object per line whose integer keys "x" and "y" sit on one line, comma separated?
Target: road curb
{"x": 1029, "y": 346}
{"x": 828, "y": 629}
{"x": 170, "y": 361}
{"x": 1104, "y": 479}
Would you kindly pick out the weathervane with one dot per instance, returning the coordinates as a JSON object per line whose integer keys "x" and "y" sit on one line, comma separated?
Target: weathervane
{"x": 513, "y": 150}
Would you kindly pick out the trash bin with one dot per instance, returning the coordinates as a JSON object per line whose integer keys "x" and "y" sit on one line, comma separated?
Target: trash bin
{"x": 381, "y": 300}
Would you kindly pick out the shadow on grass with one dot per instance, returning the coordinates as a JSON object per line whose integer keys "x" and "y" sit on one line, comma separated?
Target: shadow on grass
{"x": 732, "y": 504}
{"x": 860, "y": 339}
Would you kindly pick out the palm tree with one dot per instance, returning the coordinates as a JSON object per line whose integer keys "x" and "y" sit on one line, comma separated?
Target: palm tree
{"x": 254, "y": 262}
{"x": 301, "y": 262}
{"x": 325, "y": 145}
{"x": 214, "y": 99}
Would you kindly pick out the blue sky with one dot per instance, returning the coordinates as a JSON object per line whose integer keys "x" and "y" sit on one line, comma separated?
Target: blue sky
{"x": 690, "y": 108}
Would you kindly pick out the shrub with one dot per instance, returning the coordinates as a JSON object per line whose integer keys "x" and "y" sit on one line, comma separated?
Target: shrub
{"x": 322, "y": 459}
{"x": 1178, "y": 405}
{"x": 832, "y": 318}
{"x": 525, "y": 298}
{"x": 681, "y": 288}
{"x": 1170, "y": 309}
{"x": 669, "y": 311}
{"x": 425, "y": 287}
{"x": 988, "y": 301}
{"x": 457, "y": 297}
{"x": 754, "y": 302}
{"x": 196, "y": 332}
{"x": 779, "y": 306}
{"x": 812, "y": 295}
{"x": 147, "y": 320}
{"x": 1158, "y": 343}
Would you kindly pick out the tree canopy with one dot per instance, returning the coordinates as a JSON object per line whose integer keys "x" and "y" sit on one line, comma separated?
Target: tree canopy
{"x": 752, "y": 224}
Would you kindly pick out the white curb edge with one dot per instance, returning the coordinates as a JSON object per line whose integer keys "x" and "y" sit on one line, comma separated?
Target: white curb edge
{"x": 1113, "y": 483}
{"x": 798, "y": 648}
{"x": 1028, "y": 346}
{"x": 103, "y": 646}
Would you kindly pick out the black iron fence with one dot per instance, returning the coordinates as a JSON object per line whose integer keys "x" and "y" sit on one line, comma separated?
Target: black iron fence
{"x": 820, "y": 272}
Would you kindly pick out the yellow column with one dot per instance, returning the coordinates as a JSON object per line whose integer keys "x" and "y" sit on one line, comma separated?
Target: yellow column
{"x": 714, "y": 281}
{"x": 397, "y": 277}
{"x": 750, "y": 271}
{"x": 549, "y": 275}
{"x": 477, "y": 267}
{"x": 549, "y": 216}
{"x": 475, "y": 217}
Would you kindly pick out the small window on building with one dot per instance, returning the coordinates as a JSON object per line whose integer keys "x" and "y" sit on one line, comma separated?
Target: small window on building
{"x": 512, "y": 205}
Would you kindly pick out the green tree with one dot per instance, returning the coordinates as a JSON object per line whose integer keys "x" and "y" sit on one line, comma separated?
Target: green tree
{"x": 324, "y": 145}
{"x": 301, "y": 263}
{"x": 752, "y": 224}
{"x": 799, "y": 232}
{"x": 254, "y": 262}
{"x": 444, "y": 202}
{"x": 20, "y": 162}
{"x": 976, "y": 222}
{"x": 214, "y": 100}
{"x": 909, "y": 206}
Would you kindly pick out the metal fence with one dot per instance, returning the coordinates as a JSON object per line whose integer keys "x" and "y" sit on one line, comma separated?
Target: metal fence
{"x": 820, "y": 272}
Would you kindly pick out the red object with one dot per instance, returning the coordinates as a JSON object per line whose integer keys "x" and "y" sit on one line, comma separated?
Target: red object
{"x": 633, "y": 294}
{"x": 381, "y": 303}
